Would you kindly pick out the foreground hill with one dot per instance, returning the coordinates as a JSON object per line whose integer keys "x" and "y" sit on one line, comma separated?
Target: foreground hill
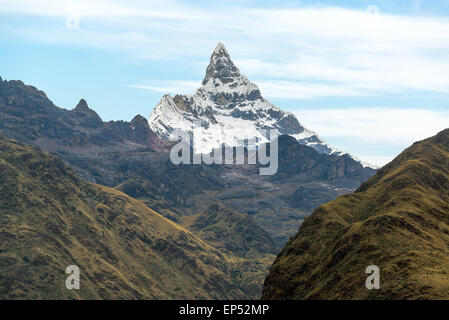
{"x": 50, "y": 219}
{"x": 398, "y": 220}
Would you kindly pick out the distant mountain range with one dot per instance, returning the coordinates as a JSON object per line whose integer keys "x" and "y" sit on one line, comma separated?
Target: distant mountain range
{"x": 227, "y": 212}
{"x": 398, "y": 220}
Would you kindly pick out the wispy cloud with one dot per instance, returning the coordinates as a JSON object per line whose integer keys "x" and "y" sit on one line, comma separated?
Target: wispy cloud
{"x": 378, "y": 129}
{"x": 298, "y": 53}
{"x": 383, "y": 125}
{"x": 308, "y": 90}
{"x": 100, "y": 9}
{"x": 171, "y": 87}
{"x": 269, "y": 88}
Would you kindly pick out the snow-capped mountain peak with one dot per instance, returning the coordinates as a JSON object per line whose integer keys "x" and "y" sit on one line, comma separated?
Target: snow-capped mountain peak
{"x": 229, "y": 108}
{"x": 221, "y": 66}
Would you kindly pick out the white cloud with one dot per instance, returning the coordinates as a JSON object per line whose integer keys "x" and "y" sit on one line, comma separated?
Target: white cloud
{"x": 305, "y": 90}
{"x": 385, "y": 125}
{"x": 271, "y": 89}
{"x": 377, "y": 129}
{"x": 171, "y": 87}
{"x": 297, "y": 52}
{"x": 100, "y": 9}
{"x": 376, "y": 160}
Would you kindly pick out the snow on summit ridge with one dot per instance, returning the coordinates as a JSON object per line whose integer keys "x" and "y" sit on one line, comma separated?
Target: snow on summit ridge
{"x": 221, "y": 66}
{"x": 230, "y": 108}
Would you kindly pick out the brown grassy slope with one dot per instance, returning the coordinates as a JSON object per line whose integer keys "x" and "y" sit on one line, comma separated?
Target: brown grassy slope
{"x": 398, "y": 220}
{"x": 50, "y": 218}
{"x": 238, "y": 236}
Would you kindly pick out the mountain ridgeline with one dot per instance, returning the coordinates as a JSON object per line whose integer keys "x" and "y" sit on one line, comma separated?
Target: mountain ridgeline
{"x": 398, "y": 220}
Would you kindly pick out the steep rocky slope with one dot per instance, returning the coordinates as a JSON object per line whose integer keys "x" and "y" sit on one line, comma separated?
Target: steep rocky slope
{"x": 398, "y": 220}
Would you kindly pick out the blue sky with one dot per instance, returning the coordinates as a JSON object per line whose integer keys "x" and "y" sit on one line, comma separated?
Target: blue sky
{"x": 370, "y": 77}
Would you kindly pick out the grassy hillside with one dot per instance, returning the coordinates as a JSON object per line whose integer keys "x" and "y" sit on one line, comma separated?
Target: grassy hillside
{"x": 50, "y": 218}
{"x": 238, "y": 236}
{"x": 398, "y": 220}
{"x": 232, "y": 232}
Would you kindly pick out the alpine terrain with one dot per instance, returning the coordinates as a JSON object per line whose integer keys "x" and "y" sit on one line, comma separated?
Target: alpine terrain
{"x": 229, "y": 219}
{"x": 398, "y": 221}
{"x": 228, "y": 108}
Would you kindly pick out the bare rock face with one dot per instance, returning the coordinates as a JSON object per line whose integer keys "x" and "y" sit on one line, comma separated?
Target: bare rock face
{"x": 86, "y": 116}
{"x": 28, "y": 115}
{"x": 82, "y": 106}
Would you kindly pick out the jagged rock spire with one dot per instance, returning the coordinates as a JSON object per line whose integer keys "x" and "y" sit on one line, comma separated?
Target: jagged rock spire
{"x": 86, "y": 115}
{"x": 139, "y": 122}
{"x": 82, "y": 106}
{"x": 221, "y": 66}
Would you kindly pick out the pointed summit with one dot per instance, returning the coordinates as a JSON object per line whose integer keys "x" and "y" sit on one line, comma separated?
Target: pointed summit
{"x": 82, "y": 106}
{"x": 221, "y": 66}
{"x": 139, "y": 122}
{"x": 86, "y": 115}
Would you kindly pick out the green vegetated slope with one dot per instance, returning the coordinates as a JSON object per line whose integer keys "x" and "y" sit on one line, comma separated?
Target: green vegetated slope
{"x": 397, "y": 220}
{"x": 50, "y": 219}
